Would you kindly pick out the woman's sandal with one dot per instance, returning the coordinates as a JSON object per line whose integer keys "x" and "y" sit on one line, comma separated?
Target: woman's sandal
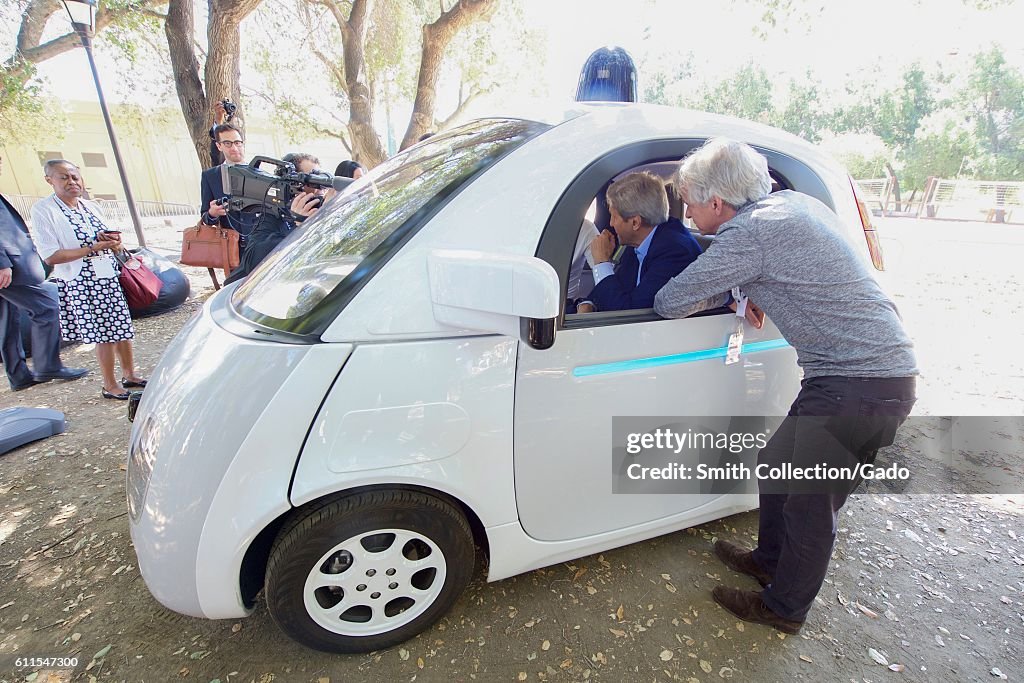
{"x": 132, "y": 384}
{"x": 117, "y": 397}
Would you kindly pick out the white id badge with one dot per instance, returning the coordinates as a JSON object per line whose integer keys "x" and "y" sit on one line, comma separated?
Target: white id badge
{"x": 732, "y": 354}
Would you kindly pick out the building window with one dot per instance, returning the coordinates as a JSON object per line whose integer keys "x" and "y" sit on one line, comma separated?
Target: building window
{"x": 46, "y": 156}
{"x": 94, "y": 160}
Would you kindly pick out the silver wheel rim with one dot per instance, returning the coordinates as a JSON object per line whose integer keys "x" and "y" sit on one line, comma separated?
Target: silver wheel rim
{"x": 374, "y": 582}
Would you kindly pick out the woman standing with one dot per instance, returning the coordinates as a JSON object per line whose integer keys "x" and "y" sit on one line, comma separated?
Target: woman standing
{"x": 71, "y": 236}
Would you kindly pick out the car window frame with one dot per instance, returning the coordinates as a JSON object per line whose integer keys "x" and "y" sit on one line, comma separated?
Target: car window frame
{"x": 557, "y": 244}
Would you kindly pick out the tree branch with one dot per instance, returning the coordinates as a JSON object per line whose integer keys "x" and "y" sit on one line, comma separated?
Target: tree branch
{"x": 436, "y": 38}
{"x": 474, "y": 94}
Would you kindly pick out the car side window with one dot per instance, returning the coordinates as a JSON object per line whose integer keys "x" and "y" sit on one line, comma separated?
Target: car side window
{"x": 560, "y": 241}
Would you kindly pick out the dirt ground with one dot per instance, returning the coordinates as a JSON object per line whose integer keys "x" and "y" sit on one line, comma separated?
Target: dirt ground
{"x": 923, "y": 588}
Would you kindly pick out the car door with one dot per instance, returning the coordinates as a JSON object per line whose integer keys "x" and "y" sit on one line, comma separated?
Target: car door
{"x": 630, "y": 363}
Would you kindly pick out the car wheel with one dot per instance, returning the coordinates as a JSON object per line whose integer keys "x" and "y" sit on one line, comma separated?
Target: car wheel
{"x": 368, "y": 571}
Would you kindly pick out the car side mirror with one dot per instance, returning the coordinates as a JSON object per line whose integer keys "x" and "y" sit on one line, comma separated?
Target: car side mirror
{"x": 518, "y": 296}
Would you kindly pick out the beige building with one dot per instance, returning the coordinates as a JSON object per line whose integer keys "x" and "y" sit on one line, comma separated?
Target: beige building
{"x": 160, "y": 160}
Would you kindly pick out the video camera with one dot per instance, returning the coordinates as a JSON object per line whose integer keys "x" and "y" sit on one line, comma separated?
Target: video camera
{"x": 256, "y": 190}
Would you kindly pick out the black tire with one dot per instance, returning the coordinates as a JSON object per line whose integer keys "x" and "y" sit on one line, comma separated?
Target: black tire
{"x": 349, "y": 547}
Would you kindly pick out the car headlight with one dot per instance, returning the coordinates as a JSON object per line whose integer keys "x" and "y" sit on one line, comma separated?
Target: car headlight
{"x": 141, "y": 456}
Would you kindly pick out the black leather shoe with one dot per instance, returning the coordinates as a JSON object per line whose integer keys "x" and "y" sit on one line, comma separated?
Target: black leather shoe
{"x": 748, "y": 606}
{"x": 131, "y": 384}
{"x": 63, "y": 373}
{"x": 117, "y": 397}
{"x": 740, "y": 559}
{"x": 26, "y": 385}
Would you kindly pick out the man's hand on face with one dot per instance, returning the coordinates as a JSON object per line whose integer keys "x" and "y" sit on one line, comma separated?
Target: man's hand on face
{"x": 603, "y": 247}
{"x": 217, "y": 210}
{"x": 5, "y": 277}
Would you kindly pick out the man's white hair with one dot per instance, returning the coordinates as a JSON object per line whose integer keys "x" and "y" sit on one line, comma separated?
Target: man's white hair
{"x": 727, "y": 169}
{"x": 640, "y": 194}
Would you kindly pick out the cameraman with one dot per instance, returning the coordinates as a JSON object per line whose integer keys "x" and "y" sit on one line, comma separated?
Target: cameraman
{"x": 270, "y": 230}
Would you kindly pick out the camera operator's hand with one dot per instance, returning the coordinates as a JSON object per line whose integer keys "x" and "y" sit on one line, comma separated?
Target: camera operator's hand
{"x": 306, "y": 204}
{"x": 217, "y": 210}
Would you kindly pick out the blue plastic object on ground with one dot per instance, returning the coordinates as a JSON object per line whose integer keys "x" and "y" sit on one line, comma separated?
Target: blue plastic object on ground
{"x": 19, "y": 426}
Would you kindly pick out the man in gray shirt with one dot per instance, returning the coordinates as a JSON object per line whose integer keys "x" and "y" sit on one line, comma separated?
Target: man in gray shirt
{"x": 786, "y": 251}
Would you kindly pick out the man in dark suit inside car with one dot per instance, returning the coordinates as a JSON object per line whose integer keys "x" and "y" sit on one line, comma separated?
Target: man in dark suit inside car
{"x": 656, "y": 247}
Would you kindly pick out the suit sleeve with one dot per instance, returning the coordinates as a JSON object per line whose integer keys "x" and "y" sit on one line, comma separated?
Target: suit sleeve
{"x": 206, "y": 196}
{"x": 615, "y": 294}
{"x": 733, "y": 260}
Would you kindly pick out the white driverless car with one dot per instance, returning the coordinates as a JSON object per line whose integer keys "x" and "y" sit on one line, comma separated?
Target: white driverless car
{"x": 399, "y": 383}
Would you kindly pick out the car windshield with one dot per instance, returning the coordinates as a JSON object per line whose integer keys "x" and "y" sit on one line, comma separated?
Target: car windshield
{"x": 297, "y": 287}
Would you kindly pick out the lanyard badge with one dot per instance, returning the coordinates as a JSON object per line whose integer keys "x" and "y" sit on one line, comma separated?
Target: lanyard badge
{"x": 732, "y": 353}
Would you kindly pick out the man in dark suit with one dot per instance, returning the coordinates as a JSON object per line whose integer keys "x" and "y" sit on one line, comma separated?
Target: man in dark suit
{"x": 214, "y": 184}
{"x": 656, "y": 247}
{"x": 21, "y": 288}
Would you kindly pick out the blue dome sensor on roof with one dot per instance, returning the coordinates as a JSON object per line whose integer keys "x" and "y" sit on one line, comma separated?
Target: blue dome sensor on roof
{"x": 609, "y": 75}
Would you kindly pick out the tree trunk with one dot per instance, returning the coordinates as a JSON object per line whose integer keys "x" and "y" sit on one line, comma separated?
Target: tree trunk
{"x": 222, "y": 70}
{"x": 895, "y": 188}
{"x": 436, "y": 37}
{"x": 366, "y": 145}
{"x": 194, "y": 107}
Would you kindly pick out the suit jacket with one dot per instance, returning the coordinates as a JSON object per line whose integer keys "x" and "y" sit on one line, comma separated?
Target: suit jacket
{"x": 672, "y": 249}
{"x": 211, "y": 186}
{"x": 17, "y": 250}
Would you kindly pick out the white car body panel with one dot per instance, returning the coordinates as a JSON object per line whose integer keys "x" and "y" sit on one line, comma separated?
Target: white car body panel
{"x": 254, "y": 491}
{"x": 425, "y": 402}
{"x": 470, "y": 384}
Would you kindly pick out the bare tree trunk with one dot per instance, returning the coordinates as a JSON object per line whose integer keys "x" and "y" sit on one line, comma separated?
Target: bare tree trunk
{"x": 436, "y": 38}
{"x": 194, "y": 107}
{"x": 366, "y": 146}
{"x": 223, "y": 60}
{"x": 895, "y": 187}
{"x": 222, "y": 70}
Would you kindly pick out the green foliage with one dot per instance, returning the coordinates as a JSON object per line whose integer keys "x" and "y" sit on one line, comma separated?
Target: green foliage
{"x": 747, "y": 94}
{"x": 892, "y": 115}
{"x": 942, "y": 154}
{"x": 863, "y": 166}
{"x": 994, "y": 101}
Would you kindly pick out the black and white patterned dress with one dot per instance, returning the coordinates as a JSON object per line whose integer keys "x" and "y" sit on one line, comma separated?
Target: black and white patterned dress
{"x": 92, "y": 308}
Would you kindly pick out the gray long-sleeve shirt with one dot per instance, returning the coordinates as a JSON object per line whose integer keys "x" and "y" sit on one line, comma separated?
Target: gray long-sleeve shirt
{"x": 788, "y": 255}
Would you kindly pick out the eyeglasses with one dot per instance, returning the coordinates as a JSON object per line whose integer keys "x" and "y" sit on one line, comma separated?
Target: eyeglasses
{"x": 231, "y": 143}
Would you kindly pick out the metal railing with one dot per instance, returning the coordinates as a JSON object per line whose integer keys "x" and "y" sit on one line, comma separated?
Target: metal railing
{"x": 965, "y": 199}
{"x": 876, "y": 190}
{"x": 116, "y": 210}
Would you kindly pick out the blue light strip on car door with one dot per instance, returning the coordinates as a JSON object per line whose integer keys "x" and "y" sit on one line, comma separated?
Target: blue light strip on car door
{"x": 674, "y": 359}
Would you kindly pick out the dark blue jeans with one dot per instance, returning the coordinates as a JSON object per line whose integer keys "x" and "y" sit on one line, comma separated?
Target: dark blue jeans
{"x": 797, "y": 530}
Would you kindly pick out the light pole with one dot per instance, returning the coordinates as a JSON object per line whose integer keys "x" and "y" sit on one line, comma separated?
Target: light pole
{"x": 82, "y": 14}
